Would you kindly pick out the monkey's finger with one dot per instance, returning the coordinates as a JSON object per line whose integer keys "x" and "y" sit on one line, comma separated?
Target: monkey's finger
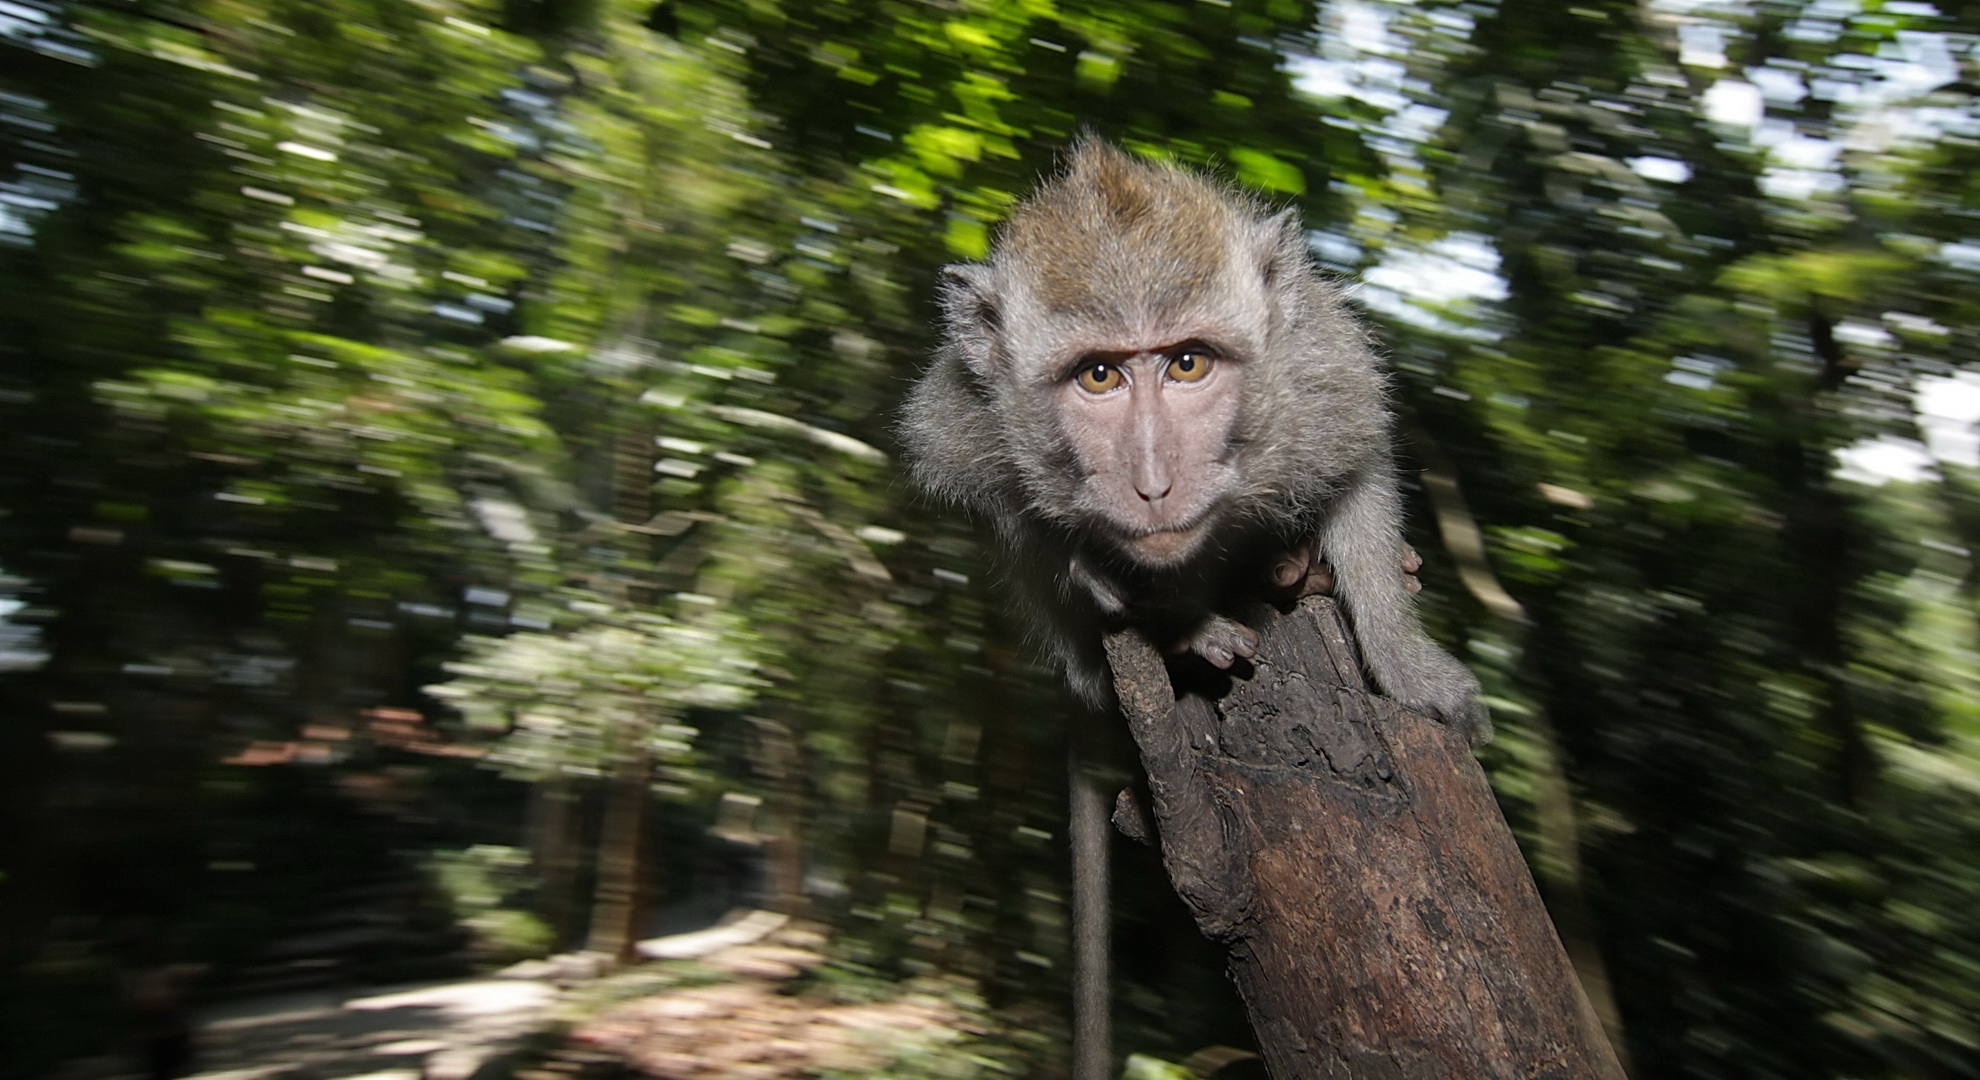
{"x": 1289, "y": 571}
{"x": 1221, "y": 641}
{"x": 1411, "y": 585}
{"x": 1245, "y": 641}
{"x": 1293, "y": 567}
{"x": 1319, "y": 579}
{"x": 1411, "y": 561}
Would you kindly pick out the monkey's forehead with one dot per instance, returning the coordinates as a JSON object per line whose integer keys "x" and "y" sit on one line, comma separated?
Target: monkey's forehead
{"x": 1131, "y": 328}
{"x": 1129, "y": 300}
{"x": 1134, "y": 271}
{"x": 1087, "y": 264}
{"x": 1129, "y": 287}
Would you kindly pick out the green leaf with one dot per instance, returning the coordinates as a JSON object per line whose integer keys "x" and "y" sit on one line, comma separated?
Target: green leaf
{"x": 1262, "y": 170}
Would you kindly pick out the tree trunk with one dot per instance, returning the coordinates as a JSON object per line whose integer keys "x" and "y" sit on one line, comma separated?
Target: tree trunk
{"x": 1380, "y": 920}
{"x": 616, "y": 908}
{"x": 553, "y": 845}
{"x": 777, "y": 759}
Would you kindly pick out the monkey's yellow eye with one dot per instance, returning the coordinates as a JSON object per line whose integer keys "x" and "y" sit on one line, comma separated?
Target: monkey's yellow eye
{"x": 1190, "y": 365}
{"x": 1100, "y": 378}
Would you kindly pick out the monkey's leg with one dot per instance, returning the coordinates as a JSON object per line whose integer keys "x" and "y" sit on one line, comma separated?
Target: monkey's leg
{"x": 1360, "y": 536}
{"x": 1092, "y": 926}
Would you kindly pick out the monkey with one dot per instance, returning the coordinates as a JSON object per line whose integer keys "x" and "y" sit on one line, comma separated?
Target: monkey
{"x": 1160, "y": 406}
{"x": 1155, "y": 398}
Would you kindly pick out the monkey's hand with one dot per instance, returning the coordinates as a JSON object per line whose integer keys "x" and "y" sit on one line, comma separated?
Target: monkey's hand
{"x": 1303, "y": 573}
{"x": 1221, "y": 641}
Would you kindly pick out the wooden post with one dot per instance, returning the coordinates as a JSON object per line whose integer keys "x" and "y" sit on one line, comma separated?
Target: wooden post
{"x": 1380, "y": 920}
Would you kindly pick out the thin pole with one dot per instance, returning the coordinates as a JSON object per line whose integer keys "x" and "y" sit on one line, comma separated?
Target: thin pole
{"x": 1092, "y": 932}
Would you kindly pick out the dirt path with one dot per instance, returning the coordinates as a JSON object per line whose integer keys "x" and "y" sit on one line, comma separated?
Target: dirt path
{"x": 665, "y": 1021}
{"x": 442, "y": 1031}
{"x": 437, "y": 1031}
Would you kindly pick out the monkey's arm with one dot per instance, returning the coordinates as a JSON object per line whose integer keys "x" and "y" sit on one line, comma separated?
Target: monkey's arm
{"x": 1360, "y": 536}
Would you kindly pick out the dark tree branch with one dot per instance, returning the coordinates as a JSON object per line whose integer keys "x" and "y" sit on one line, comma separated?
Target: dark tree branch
{"x": 1380, "y": 920}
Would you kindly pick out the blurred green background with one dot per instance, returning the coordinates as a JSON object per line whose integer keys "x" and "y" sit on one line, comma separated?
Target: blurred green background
{"x": 448, "y": 478}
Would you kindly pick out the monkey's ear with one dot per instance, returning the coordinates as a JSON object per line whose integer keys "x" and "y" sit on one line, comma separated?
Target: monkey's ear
{"x": 968, "y": 278}
{"x": 973, "y": 311}
{"x": 1282, "y": 247}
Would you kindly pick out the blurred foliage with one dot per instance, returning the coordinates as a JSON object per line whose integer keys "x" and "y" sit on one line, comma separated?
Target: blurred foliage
{"x": 485, "y": 882}
{"x": 414, "y": 413}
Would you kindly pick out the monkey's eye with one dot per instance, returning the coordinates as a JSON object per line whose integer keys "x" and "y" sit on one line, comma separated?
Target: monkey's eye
{"x": 1191, "y": 365}
{"x": 1100, "y": 378}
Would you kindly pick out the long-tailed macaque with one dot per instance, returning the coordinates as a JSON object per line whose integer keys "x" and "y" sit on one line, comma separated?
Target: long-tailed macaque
{"x": 1164, "y": 409}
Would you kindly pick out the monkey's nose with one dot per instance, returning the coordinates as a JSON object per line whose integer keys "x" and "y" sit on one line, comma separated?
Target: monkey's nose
{"x": 1148, "y": 464}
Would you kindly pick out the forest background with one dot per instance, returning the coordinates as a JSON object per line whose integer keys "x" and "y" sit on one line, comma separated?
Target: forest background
{"x": 448, "y": 467}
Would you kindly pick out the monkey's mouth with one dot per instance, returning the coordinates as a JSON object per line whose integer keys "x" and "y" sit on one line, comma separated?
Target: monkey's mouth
{"x": 1169, "y": 545}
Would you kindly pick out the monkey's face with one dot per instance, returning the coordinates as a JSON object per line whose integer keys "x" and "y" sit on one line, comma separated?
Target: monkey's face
{"x": 1151, "y": 430}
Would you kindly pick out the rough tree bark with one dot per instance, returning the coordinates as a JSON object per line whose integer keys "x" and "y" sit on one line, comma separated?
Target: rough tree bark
{"x": 1380, "y": 920}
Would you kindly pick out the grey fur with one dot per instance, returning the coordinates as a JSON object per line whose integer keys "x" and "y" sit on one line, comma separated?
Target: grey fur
{"x": 1112, "y": 248}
